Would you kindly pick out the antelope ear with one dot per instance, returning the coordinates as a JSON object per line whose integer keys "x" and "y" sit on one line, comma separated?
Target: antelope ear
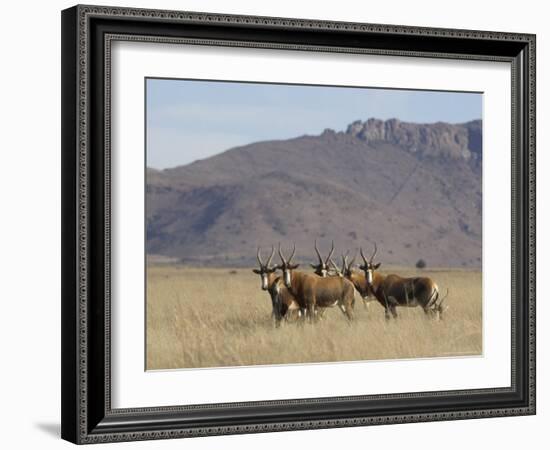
{"x": 257, "y": 271}
{"x": 293, "y": 266}
{"x": 272, "y": 269}
{"x": 313, "y": 266}
{"x": 376, "y": 266}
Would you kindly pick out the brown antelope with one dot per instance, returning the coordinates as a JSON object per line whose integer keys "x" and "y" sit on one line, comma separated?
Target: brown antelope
{"x": 358, "y": 279}
{"x": 323, "y": 267}
{"x": 392, "y": 290}
{"x": 323, "y": 270}
{"x": 282, "y": 300}
{"x": 313, "y": 292}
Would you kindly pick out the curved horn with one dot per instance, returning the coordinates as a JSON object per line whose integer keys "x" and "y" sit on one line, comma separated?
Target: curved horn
{"x": 374, "y": 254}
{"x": 344, "y": 263}
{"x": 318, "y": 253}
{"x": 270, "y": 256}
{"x": 259, "y": 258}
{"x": 292, "y": 254}
{"x": 363, "y": 256}
{"x": 334, "y": 265}
{"x": 330, "y": 253}
{"x": 281, "y": 255}
{"x": 345, "y": 258}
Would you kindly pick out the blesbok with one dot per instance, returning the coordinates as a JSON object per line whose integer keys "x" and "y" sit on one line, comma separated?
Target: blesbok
{"x": 282, "y": 300}
{"x": 358, "y": 279}
{"x": 392, "y": 290}
{"x": 322, "y": 268}
{"x": 314, "y": 292}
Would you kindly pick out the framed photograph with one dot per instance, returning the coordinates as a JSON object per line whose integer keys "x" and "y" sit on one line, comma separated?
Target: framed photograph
{"x": 277, "y": 224}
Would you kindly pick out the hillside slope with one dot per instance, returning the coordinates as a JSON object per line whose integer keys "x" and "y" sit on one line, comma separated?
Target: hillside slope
{"x": 414, "y": 189}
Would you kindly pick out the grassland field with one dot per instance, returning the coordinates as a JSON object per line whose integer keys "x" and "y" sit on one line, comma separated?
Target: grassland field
{"x": 205, "y": 317}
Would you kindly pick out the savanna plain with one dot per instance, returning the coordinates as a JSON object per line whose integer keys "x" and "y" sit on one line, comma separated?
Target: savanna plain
{"x": 206, "y": 317}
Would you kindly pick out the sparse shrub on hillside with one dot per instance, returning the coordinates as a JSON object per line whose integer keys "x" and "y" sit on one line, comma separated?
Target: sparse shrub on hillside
{"x": 420, "y": 264}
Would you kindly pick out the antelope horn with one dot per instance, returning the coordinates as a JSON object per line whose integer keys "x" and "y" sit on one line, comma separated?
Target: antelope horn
{"x": 374, "y": 254}
{"x": 363, "y": 256}
{"x": 344, "y": 262}
{"x": 345, "y": 258}
{"x": 318, "y": 253}
{"x": 270, "y": 256}
{"x": 292, "y": 254}
{"x": 334, "y": 265}
{"x": 330, "y": 253}
{"x": 259, "y": 257}
{"x": 281, "y": 255}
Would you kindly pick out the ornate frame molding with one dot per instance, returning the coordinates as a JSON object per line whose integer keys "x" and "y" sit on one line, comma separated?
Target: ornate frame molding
{"x": 86, "y": 422}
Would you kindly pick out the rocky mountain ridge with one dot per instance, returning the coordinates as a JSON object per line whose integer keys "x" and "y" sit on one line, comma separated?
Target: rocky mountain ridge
{"x": 414, "y": 189}
{"x": 427, "y": 140}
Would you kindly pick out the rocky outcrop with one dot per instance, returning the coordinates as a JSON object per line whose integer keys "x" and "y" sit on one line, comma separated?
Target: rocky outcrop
{"x": 443, "y": 140}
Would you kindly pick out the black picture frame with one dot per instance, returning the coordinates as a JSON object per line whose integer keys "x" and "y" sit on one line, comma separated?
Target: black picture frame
{"x": 87, "y": 415}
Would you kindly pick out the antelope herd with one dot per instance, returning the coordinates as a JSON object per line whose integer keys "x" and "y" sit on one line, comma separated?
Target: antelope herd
{"x": 307, "y": 295}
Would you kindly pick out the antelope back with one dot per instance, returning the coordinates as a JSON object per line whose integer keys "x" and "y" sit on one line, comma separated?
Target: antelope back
{"x": 408, "y": 291}
{"x": 331, "y": 290}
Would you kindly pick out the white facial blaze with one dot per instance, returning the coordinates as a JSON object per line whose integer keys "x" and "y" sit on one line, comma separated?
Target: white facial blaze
{"x": 287, "y": 278}
{"x": 369, "y": 276}
{"x": 264, "y": 281}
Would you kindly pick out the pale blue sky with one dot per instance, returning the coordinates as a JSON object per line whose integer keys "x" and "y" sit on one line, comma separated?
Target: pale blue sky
{"x": 189, "y": 120}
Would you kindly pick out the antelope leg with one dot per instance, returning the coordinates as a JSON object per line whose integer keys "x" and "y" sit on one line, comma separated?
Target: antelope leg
{"x": 311, "y": 313}
{"x": 347, "y": 310}
{"x": 302, "y": 316}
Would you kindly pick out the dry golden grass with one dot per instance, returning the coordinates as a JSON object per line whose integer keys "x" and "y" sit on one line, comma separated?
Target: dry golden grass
{"x": 221, "y": 317}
